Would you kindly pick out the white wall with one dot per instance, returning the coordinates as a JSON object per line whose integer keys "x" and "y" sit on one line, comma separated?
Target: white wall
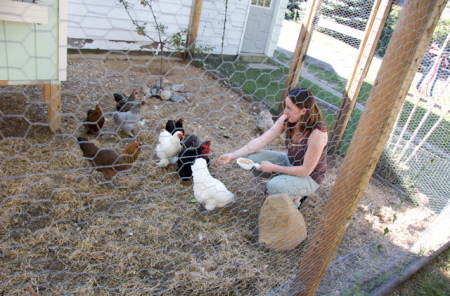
{"x": 107, "y": 24}
{"x": 277, "y": 25}
{"x": 211, "y": 26}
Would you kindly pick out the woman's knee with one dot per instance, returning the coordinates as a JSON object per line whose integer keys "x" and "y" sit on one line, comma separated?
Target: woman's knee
{"x": 293, "y": 186}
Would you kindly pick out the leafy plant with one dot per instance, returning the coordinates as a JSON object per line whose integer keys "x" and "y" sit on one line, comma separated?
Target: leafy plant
{"x": 295, "y": 10}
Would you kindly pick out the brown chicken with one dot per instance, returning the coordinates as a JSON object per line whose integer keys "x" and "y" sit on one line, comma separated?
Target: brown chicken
{"x": 131, "y": 153}
{"x": 107, "y": 161}
{"x": 94, "y": 120}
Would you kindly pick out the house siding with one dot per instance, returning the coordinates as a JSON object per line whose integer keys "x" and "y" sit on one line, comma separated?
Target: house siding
{"x": 106, "y": 25}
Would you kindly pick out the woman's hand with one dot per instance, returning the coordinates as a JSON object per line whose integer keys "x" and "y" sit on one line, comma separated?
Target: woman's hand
{"x": 266, "y": 166}
{"x": 226, "y": 158}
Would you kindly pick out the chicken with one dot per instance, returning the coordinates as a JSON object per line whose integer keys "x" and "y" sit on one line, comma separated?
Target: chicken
{"x": 123, "y": 103}
{"x": 127, "y": 120}
{"x": 107, "y": 161}
{"x": 169, "y": 146}
{"x": 94, "y": 120}
{"x": 190, "y": 140}
{"x": 172, "y": 126}
{"x": 188, "y": 156}
{"x": 131, "y": 153}
{"x": 209, "y": 191}
{"x": 264, "y": 120}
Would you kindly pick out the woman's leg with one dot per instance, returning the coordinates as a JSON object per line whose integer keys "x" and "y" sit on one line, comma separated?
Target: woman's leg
{"x": 275, "y": 157}
{"x": 292, "y": 185}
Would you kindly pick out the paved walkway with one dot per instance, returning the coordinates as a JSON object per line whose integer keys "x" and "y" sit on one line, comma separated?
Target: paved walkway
{"x": 325, "y": 51}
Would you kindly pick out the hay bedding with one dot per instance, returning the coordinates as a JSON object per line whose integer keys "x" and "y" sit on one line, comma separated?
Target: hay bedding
{"x": 65, "y": 232}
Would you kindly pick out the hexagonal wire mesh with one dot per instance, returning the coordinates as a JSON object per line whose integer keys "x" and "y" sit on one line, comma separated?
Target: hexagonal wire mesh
{"x": 66, "y": 229}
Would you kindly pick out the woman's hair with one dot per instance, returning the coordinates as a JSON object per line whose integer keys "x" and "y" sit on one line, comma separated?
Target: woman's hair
{"x": 312, "y": 119}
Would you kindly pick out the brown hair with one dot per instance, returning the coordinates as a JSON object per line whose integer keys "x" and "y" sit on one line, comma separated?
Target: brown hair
{"x": 312, "y": 119}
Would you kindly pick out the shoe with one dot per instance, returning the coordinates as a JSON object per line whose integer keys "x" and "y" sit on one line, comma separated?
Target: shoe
{"x": 302, "y": 201}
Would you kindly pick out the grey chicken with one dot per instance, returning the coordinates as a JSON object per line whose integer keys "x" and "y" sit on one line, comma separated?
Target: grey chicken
{"x": 127, "y": 120}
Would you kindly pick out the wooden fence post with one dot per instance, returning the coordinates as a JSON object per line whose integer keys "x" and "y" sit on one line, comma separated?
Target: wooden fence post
{"x": 408, "y": 44}
{"x": 374, "y": 27}
{"x": 298, "y": 58}
{"x": 196, "y": 13}
{"x": 52, "y": 95}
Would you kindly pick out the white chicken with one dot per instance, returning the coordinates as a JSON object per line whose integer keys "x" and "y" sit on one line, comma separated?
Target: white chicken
{"x": 208, "y": 190}
{"x": 127, "y": 120}
{"x": 169, "y": 146}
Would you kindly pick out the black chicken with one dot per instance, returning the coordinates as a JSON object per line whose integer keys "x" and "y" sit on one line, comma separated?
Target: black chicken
{"x": 190, "y": 140}
{"x": 123, "y": 102}
{"x": 173, "y": 126}
{"x": 187, "y": 157}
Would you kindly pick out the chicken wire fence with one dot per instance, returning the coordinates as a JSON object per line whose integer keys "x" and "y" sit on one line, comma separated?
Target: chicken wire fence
{"x": 67, "y": 230}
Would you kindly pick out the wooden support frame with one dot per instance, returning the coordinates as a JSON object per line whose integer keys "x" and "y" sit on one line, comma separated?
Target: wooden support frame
{"x": 408, "y": 44}
{"x": 374, "y": 28}
{"x": 52, "y": 96}
{"x": 298, "y": 58}
{"x": 197, "y": 6}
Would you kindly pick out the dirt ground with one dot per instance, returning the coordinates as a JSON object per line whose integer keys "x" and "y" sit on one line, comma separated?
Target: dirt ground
{"x": 65, "y": 231}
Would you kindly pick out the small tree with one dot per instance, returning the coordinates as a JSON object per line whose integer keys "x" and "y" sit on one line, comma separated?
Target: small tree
{"x": 175, "y": 42}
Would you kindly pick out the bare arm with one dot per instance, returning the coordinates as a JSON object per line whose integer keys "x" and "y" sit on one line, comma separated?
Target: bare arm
{"x": 256, "y": 144}
{"x": 316, "y": 142}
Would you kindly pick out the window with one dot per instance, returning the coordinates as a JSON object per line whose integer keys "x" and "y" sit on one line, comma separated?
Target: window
{"x": 261, "y": 3}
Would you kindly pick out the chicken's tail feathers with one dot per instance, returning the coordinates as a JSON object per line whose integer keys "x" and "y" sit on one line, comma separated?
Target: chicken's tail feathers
{"x": 81, "y": 139}
{"x": 173, "y": 160}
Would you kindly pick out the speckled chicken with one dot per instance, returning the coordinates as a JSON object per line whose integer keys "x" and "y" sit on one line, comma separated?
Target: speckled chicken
{"x": 123, "y": 102}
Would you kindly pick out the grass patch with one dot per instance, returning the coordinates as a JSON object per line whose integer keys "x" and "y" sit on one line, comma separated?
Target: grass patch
{"x": 267, "y": 85}
{"x": 440, "y": 137}
{"x": 433, "y": 279}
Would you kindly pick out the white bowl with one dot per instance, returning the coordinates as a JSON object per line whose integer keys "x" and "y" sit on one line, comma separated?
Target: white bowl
{"x": 247, "y": 164}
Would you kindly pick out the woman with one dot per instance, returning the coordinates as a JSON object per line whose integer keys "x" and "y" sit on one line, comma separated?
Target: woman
{"x": 299, "y": 171}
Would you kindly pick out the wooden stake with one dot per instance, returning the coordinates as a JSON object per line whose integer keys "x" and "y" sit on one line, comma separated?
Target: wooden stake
{"x": 417, "y": 19}
{"x": 52, "y": 95}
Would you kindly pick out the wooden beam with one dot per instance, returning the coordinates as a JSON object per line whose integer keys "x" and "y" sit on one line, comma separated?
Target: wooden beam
{"x": 417, "y": 19}
{"x": 374, "y": 28}
{"x": 298, "y": 59}
{"x": 197, "y": 6}
{"x": 52, "y": 95}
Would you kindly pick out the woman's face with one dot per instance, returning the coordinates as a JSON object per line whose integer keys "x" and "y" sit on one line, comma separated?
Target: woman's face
{"x": 292, "y": 112}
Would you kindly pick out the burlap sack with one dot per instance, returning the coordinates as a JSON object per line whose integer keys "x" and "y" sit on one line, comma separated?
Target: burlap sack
{"x": 281, "y": 225}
